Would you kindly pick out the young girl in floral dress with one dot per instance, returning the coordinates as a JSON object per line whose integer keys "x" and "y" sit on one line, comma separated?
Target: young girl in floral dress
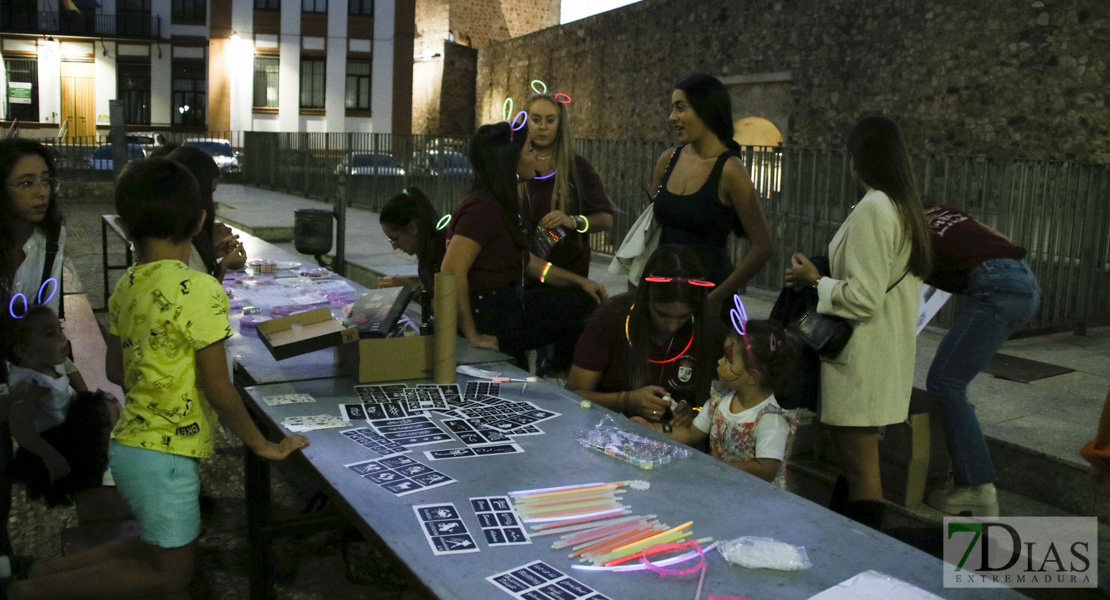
{"x": 745, "y": 425}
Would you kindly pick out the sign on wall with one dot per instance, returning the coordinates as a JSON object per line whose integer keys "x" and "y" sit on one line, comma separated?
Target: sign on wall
{"x": 19, "y": 93}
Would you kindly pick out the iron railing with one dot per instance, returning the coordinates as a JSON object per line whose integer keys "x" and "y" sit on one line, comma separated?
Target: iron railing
{"x": 1059, "y": 211}
{"x": 126, "y": 23}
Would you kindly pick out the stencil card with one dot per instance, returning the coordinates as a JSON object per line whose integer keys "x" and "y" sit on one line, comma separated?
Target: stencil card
{"x": 400, "y": 475}
{"x": 481, "y": 388}
{"x": 367, "y": 438}
{"x": 353, "y": 412}
{"x": 539, "y": 580}
{"x": 470, "y": 434}
{"x": 281, "y": 399}
{"x": 500, "y": 524}
{"x": 444, "y": 529}
{"x": 411, "y": 431}
{"x": 377, "y": 394}
{"x": 473, "y": 451}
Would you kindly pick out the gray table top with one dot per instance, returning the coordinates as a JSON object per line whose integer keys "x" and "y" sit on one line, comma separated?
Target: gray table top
{"x": 260, "y": 367}
{"x": 723, "y": 502}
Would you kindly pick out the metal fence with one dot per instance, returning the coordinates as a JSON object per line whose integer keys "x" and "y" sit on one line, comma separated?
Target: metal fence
{"x": 1059, "y": 211}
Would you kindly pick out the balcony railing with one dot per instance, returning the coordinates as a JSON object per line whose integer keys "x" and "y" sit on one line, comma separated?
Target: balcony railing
{"x": 137, "y": 24}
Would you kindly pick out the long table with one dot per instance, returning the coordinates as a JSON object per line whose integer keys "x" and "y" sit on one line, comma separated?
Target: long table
{"x": 723, "y": 502}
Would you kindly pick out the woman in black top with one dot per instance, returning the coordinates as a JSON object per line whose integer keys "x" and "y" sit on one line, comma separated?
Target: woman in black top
{"x": 411, "y": 224}
{"x": 705, "y": 191}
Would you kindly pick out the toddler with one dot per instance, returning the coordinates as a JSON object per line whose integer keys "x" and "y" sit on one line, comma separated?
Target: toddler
{"x": 745, "y": 425}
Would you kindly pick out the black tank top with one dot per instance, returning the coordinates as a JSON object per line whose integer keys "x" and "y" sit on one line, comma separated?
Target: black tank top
{"x": 699, "y": 220}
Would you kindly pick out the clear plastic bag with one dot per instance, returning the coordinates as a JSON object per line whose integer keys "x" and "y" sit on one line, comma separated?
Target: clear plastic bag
{"x": 639, "y": 450}
{"x": 765, "y": 553}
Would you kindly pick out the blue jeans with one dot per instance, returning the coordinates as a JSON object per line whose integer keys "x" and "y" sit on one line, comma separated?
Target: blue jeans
{"x": 1002, "y": 296}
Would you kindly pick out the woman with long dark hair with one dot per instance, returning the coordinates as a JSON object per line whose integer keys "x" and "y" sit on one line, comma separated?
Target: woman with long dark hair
{"x": 487, "y": 250}
{"x": 704, "y": 191}
{"x": 217, "y": 248}
{"x": 32, "y": 248}
{"x": 409, "y": 222}
{"x": 566, "y": 196}
{"x": 877, "y": 259}
{"x": 657, "y": 342}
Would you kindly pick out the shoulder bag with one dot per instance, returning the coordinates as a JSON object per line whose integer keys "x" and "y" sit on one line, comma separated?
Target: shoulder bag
{"x": 827, "y": 335}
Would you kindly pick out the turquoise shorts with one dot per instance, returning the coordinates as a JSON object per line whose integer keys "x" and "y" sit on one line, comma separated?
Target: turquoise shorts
{"x": 163, "y": 491}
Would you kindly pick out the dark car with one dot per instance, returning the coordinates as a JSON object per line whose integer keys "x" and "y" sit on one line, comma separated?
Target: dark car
{"x": 369, "y": 163}
{"x": 220, "y": 151}
{"x": 442, "y": 164}
{"x": 103, "y": 159}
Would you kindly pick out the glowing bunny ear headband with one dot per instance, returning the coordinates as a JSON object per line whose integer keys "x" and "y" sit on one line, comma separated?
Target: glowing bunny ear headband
{"x": 518, "y": 121}
{"x": 51, "y": 284}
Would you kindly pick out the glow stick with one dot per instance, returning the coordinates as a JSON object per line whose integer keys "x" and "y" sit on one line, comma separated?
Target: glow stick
{"x": 561, "y": 488}
{"x": 607, "y": 536}
{"x": 636, "y": 547}
{"x": 443, "y": 222}
{"x": 615, "y": 511}
{"x": 661, "y": 535}
{"x": 589, "y": 522}
{"x": 701, "y": 582}
{"x": 554, "y": 500}
{"x": 674, "y": 530}
{"x": 541, "y": 530}
{"x": 596, "y": 533}
{"x": 523, "y": 121}
{"x": 573, "y": 511}
{"x": 567, "y": 101}
{"x": 634, "y": 555}
{"x": 534, "y": 82}
{"x": 629, "y": 537}
{"x": 507, "y": 109}
{"x": 642, "y": 567}
{"x": 548, "y": 176}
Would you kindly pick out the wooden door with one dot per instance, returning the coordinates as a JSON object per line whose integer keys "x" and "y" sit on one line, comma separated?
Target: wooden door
{"x": 79, "y": 99}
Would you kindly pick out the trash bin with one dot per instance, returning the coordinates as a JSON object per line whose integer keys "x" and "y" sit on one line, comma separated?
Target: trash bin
{"x": 312, "y": 231}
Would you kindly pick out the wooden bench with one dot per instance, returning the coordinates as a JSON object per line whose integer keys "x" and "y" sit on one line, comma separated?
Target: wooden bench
{"x": 102, "y": 513}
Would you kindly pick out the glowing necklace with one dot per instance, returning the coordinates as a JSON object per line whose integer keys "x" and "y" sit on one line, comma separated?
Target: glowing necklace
{"x": 657, "y": 362}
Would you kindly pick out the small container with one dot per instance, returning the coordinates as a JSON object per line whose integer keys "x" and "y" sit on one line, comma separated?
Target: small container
{"x": 545, "y": 240}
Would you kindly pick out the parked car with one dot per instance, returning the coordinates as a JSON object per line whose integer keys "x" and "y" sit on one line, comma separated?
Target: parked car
{"x": 221, "y": 151}
{"x": 449, "y": 164}
{"x": 147, "y": 139}
{"x": 103, "y": 159}
{"x": 369, "y": 163}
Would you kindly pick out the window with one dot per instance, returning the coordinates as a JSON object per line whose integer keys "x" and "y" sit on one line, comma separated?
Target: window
{"x": 133, "y": 91}
{"x": 189, "y": 94}
{"x": 266, "y": 80}
{"x": 313, "y": 80}
{"x": 360, "y": 7}
{"x": 133, "y": 17}
{"x": 358, "y": 85}
{"x": 189, "y": 10}
{"x": 267, "y": 4}
{"x": 23, "y": 89}
{"x": 317, "y": 6}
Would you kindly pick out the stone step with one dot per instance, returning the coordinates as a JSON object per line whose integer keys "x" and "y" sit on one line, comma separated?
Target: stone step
{"x": 1047, "y": 479}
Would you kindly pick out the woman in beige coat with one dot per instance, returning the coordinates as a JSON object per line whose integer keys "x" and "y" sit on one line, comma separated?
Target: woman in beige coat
{"x": 878, "y": 260}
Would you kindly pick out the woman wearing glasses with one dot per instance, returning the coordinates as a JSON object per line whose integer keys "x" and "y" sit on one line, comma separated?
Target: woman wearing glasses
{"x": 31, "y": 251}
{"x": 643, "y": 348}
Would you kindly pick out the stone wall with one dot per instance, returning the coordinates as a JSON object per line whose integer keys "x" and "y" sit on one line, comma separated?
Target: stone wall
{"x": 486, "y": 21}
{"x": 443, "y": 91}
{"x": 996, "y": 77}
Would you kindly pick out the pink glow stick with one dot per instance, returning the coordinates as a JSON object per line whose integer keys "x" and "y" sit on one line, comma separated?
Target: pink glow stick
{"x": 542, "y": 530}
{"x": 591, "y": 537}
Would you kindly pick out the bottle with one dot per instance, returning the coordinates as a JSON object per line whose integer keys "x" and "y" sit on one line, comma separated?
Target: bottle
{"x": 427, "y": 318}
{"x": 545, "y": 240}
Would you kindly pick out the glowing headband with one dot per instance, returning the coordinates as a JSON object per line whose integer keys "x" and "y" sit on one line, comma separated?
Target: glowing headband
{"x": 543, "y": 91}
{"x": 443, "y": 222}
{"x": 53, "y": 291}
{"x": 739, "y": 317}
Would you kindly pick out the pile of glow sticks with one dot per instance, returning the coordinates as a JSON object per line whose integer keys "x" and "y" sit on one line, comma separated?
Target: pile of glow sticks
{"x": 597, "y": 528}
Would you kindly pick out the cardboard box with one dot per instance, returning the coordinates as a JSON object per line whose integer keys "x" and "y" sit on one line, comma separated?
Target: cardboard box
{"x": 388, "y": 359}
{"x": 913, "y": 455}
{"x": 304, "y": 332}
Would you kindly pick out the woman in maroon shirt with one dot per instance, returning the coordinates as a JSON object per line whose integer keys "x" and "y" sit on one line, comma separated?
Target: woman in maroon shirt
{"x": 409, "y": 222}
{"x": 487, "y": 249}
{"x": 642, "y": 347}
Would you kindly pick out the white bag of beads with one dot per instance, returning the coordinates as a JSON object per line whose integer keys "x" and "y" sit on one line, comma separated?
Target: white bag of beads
{"x": 765, "y": 553}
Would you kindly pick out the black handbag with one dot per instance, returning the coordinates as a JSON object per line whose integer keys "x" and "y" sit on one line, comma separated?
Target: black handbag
{"x": 829, "y": 334}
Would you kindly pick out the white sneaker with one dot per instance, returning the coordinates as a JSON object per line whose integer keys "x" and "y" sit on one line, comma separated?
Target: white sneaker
{"x": 108, "y": 480}
{"x": 974, "y": 501}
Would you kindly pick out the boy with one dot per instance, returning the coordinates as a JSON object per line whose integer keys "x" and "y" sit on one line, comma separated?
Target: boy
{"x": 168, "y": 326}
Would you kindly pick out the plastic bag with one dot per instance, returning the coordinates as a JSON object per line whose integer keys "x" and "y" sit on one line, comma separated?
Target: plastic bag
{"x": 765, "y": 553}
{"x": 639, "y": 450}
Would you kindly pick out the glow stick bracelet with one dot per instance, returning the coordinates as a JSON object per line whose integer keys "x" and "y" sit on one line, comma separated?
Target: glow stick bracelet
{"x": 661, "y": 535}
{"x": 636, "y": 547}
{"x": 542, "y": 530}
{"x": 548, "y": 176}
{"x": 600, "y": 532}
{"x": 556, "y": 511}
{"x": 588, "y": 522}
{"x": 564, "y": 488}
{"x": 634, "y": 556}
{"x": 615, "y": 511}
{"x": 606, "y": 545}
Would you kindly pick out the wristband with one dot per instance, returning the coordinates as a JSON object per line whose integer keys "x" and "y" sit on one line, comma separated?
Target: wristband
{"x": 585, "y": 224}
{"x": 543, "y": 275}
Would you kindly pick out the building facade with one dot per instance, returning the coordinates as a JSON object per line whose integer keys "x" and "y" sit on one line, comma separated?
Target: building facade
{"x": 207, "y": 65}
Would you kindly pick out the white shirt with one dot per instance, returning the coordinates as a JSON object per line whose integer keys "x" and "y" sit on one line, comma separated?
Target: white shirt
{"x": 52, "y": 409}
{"x": 770, "y": 434}
{"x": 29, "y": 274}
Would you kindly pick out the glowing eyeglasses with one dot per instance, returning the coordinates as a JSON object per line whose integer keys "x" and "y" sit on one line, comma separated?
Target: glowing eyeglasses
{"x": 739, "y": 317}
{"x": 697, "y": 282}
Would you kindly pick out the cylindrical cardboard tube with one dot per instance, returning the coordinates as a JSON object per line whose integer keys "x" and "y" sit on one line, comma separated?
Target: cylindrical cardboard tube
{"x": 443, "y": 371}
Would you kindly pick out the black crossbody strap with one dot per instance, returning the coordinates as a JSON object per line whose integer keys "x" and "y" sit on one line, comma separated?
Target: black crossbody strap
{"x": 895, "y": 284}
{"x": 48, "y": 268}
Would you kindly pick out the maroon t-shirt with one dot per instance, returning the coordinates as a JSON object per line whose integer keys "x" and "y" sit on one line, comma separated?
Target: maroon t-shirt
{"x": 959, "y": 243}
{"x": 572, "y": 252}
{"x": 603, "y": 347}
{"x": 499, "y": 263}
